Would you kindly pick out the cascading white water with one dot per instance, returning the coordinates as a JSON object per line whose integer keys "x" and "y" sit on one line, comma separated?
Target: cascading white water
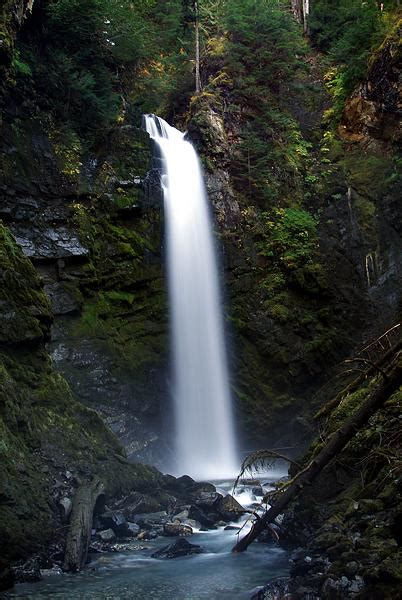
{"x": 205, "y": 444}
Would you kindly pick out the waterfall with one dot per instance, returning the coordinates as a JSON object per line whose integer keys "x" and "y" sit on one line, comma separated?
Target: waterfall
{"x": 205, "y": 447}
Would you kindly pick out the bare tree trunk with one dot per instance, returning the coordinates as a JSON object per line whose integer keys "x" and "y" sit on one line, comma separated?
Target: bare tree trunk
{"x": 197, "y": 49}
{"x": 79, "y": 533}
{"x": 338, "y": 440}
{"x": 297, "y": 10}
{"x": 306, "y": 14}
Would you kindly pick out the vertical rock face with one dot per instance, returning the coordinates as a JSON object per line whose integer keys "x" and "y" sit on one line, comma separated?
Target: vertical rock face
{"x": 99, "y": 258}
{"x": 48, "y": 441}
{"x": 12, "y": 14}
{"x": 372, "y": 114}
{"x": 287, "y": 345}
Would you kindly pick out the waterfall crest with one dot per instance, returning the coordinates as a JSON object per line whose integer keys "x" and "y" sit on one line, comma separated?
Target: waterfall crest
{"x": 205, "y": 446}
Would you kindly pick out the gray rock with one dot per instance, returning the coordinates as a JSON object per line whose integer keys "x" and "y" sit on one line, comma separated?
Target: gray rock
{"x": 229, "y": 509}
{"x": 108, "y": 536}
{"x": 177, "y": 529}
{"x": 132, "y": 529}
{"x": 63, "y": 303}
{"x": 49, "y": 242}
{"x": 116, "y": 521}
{"x": 180, "y": 548}
{"x": 199, "y": 515}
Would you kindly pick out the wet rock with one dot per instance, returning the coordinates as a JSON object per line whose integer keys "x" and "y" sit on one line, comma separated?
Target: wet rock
{"x": 151, "y": 520}
{"x": 257, "y": 491}
{"x": 147, "y": 535}
{"x": 356, "y": 585}
{"x": 229, "y": 509}
{"x": 209, "y": 501}
{"x": 199, "y": 515}
{"x": 108, "y": 536}
{"x": 116, "y": 521}
{"x": 177, "y": 529}
{"x": 181, "y": 515}
{"x": 53, "y": 571}
{"x": 180, "y": 548}
{"x": 51, "y": 242}
{"x": 137, "y": 503}
{"x": 275, "y": 590}
{"x": 192, "y": 523}
{"x": 63, "y": 302}
{"x": 133, "y": 529}
{"x": 232, "y": 528}
{"x": 28, "y": 572}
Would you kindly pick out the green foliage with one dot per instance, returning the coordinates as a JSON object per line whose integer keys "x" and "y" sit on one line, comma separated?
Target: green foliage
{"x": 347, "y": 32}
{"x": 20, "y": 66}
{"x": 258, "y": 48}
{"x": 290, "y": 237}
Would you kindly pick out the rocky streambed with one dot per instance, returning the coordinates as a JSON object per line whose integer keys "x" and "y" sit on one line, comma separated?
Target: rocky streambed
{"x": 183, "y": 551}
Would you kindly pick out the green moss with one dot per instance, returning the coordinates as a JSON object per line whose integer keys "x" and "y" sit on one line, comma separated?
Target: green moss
{"x": 368, "y": 173}
{"x": 26, "y": 311}
{"x": 43, "y": 431}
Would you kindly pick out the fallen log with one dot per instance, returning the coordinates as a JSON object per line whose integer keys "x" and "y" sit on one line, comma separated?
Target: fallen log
{"x": 79, "y": 533}
{"x": 336, "y": 442}
{"x": 353, "y": 385}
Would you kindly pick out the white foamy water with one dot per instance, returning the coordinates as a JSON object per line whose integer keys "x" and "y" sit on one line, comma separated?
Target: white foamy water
{"x": 205, "y": 445}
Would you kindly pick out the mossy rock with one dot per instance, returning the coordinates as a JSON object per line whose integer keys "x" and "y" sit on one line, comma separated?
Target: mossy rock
{"x": 25, "y": 309}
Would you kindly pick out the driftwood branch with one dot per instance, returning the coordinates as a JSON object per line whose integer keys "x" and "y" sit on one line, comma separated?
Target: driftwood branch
{"x": 258, "y": 460}
{"x": 336, "y": 442}
{"x": 79, "y": 533}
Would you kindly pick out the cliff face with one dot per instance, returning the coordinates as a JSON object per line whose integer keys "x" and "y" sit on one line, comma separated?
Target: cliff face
{"x": 338, "y": 280}
{"x": 12, "y": 15}
{"x": 371, "y": 114}
{"x": 81, "y": 295}
{"x": 49, "y": 442}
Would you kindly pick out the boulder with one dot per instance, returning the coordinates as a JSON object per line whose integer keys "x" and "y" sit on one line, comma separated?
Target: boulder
{"x": 116, "y": 521}
{"x": 177, "y": 529}
{"x": 132, "y": 529}
{"x": 192, "y": 523}
{"x": 229, "y": 509}
{"x": 108, "y": 536}
{"x": 180, "y": 548}
{"x": 181, "y": 515}
{"x": 150, "y": 521}
{"x": 208, "y": 501}
{"x": 199, "y": 515}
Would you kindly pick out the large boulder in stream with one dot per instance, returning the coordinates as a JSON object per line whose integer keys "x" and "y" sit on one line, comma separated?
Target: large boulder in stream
{"x": 229, "y": 509}
{"x": 115, "y": 521}
{"x": 180, "y": 548}
{"x": 197, "y": 514}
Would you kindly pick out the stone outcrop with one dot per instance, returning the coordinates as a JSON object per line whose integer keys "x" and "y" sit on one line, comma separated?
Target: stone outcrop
{"x": 372, "y": 113}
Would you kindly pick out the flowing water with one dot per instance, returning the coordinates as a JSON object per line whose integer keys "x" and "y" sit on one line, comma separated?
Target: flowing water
{"x": 133, "y": 575}
{"x": 205, "y": 446}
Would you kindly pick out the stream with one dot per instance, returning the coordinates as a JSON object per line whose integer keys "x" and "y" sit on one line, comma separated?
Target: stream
{"x": 133, "y": 574}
